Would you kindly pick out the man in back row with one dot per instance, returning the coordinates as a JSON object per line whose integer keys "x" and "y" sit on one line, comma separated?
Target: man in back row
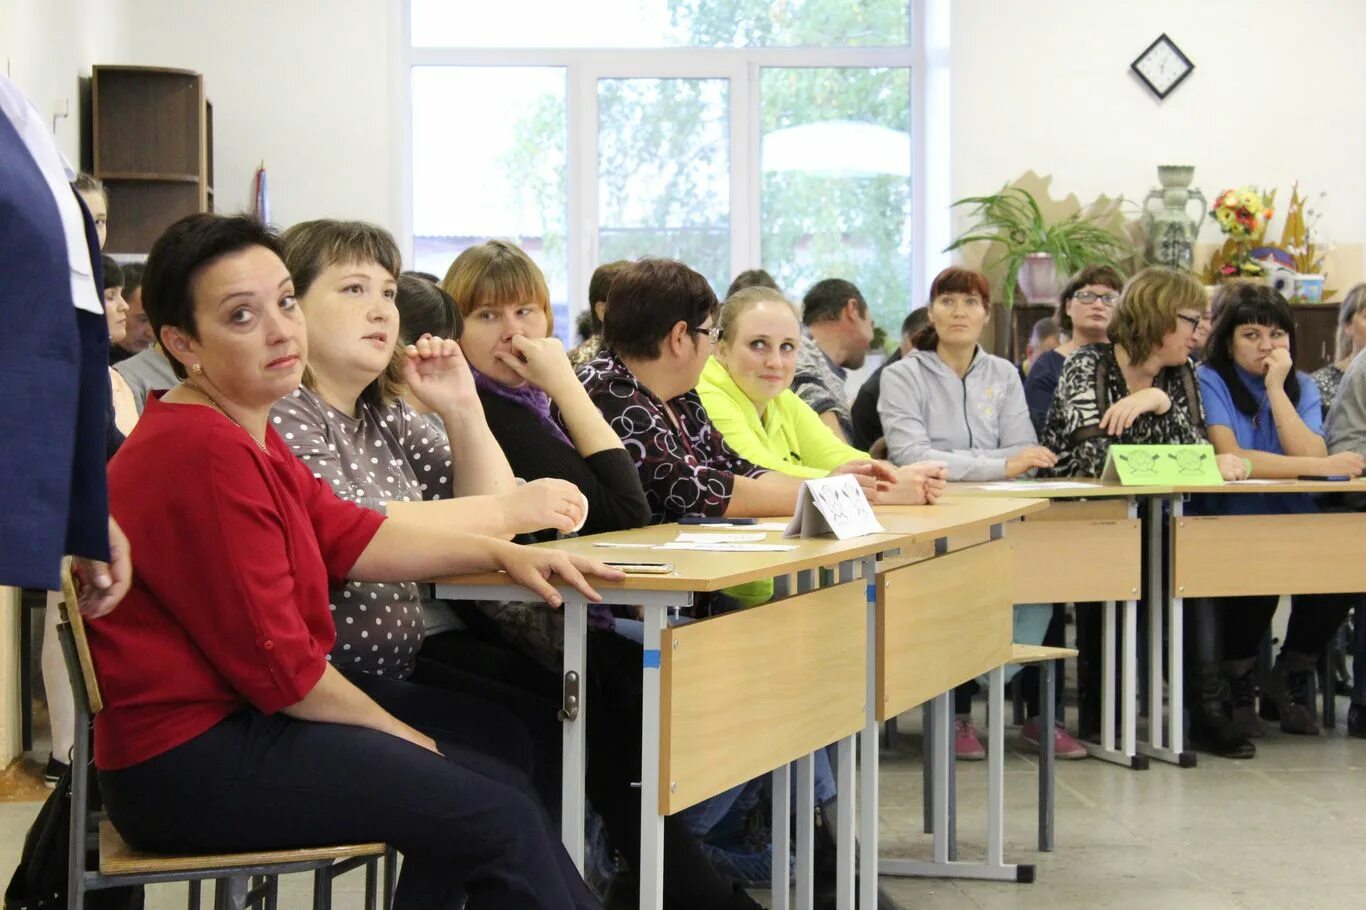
{"x": 838, "y": 330}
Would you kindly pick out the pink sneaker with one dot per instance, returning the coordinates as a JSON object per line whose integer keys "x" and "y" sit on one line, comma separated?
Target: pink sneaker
{"x": 1064, "y": 745}
{"x": 966, "y": 745}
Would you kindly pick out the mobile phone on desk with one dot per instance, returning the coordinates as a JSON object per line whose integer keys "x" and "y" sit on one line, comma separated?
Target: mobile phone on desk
{"x": 643, "y": 568}
{"x": 1337, "y": 478}
{"x": 707, "y": 520}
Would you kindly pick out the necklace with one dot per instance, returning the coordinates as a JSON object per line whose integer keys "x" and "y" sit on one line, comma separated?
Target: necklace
{"x": 214, "y": 401}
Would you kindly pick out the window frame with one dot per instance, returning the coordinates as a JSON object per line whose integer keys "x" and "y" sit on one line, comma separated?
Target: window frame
{"x": 926, "y": 57}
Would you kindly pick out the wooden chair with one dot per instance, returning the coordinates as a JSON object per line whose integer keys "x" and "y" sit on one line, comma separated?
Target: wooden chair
{"x": 243, "y": 879}
{"x": 1047, "y": 658}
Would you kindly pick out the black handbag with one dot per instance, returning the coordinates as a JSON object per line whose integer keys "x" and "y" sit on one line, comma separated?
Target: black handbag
{"x": 40, "y": 881}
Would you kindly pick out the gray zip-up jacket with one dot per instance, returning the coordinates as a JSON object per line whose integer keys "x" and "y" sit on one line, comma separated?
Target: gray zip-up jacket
{"x": 1346, "y": 430}
{"x": 974, "y": 423}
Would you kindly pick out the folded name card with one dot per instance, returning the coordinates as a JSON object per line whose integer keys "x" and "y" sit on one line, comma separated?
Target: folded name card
{"x": 833, "y": 505}
{"x": 1140, "y": 465}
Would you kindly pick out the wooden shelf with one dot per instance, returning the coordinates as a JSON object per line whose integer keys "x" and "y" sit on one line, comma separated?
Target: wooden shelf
{"x": 151, "y": 137}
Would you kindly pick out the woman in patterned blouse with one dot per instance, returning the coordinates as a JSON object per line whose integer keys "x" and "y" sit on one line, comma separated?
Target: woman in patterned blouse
{"x": 1351, "y": 341}
{"x": 1144, "y": 375}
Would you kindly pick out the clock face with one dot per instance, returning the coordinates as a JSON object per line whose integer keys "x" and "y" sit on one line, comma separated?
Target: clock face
{"x": 1162, "y": 66}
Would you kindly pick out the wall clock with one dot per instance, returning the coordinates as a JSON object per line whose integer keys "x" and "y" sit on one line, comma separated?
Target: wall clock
{"x": 1162, "y": 67}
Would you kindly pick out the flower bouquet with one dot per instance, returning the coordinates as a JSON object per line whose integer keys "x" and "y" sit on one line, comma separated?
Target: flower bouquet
{"x": 1242, "y": 215}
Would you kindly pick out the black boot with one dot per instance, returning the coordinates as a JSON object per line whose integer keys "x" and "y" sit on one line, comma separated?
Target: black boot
{"x": 1212, "y": 729}
{"x": 1242, "y": 683}
{"x": 1356, "y": 720}
{"x": 1288, "y": 694}
{"x": 825, "y": 859}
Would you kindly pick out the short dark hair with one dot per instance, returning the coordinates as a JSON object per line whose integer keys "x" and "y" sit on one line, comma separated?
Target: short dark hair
{"x": 425, "y": 309}
{"x": 132, "y": 277}
{"x": 1092, "y": 274}
{"x": 826, "y": 300}
{"x": 113, "y": 273}
{"x": 425, "y": 276}
{"x": 1044, "y": 328}
{"x": 648, "y": 298}
{"x": 598, "y": 286}
{"x": 312, "y": 246}
{"x": 952, "y": 280}
{"x": 583, "y": 325}
{"x": 915, "y": 320}
{"x": 186, "y": 247}
{"x": 751, "y": 278}
{"x": 1248, "y": 303}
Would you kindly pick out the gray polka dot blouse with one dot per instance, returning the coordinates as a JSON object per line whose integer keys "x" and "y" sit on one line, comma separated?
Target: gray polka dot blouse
{"x": 387, "y": 453}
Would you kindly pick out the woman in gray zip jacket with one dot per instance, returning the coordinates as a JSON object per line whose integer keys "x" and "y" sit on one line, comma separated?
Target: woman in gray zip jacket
{"x": 950, "y": 401}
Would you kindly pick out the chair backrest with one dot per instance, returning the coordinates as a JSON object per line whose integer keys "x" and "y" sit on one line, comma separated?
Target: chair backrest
{"x": 83, "y": 673}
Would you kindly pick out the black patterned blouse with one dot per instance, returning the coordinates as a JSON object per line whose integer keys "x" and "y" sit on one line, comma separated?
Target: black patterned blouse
{"x": 686, "y": 470}
{"x": 1074, "y": 409}
{"x": 1329, "y": 380}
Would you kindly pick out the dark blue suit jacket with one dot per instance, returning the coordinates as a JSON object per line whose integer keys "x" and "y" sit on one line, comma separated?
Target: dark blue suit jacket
{"x": 54, "y": 385}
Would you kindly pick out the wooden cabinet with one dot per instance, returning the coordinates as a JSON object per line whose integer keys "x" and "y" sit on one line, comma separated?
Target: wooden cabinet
{"x": 1316, "y": 330}
{"x": 1022, "y": 318}
{"x": 152, "y": 145}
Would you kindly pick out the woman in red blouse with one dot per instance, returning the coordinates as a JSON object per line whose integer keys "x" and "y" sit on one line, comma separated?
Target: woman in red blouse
{"x": 224, "y": 728}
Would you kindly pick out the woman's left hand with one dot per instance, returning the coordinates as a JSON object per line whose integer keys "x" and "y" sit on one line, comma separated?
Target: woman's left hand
{"x": 1231, "y": 467}
{"x": 933, "y": 476}
{"x": 435, "y": 370}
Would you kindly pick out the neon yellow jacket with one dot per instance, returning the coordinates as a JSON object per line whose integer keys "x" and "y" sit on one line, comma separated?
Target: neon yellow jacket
{"x": 790, "y": 437}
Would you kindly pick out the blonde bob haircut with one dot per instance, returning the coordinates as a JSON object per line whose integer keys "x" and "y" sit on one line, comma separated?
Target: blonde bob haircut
{"x": 497, "y": 273}
{"x": 744, "y": 300}
{"x": 1147, "y": 308}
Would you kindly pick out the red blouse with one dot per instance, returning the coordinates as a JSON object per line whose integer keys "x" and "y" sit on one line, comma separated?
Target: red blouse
{"x": 232, "y": 553}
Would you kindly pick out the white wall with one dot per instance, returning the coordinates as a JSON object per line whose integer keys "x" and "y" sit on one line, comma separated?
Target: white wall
{"x": 1278, "y": 94}
{"x": 302, "y": 85}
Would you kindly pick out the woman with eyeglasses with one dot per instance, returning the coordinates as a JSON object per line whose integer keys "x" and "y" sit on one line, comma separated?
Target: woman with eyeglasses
{"x": 1083, "y": 315}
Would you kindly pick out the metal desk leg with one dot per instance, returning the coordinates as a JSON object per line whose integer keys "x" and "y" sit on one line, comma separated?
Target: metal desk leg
{"x": 928, "y": 762}
{"x": 844, "y": 806}
{"x": 806, "y": 831}
{"x": 782, "y": 836}
{"x": 1048, "y": 761}
{"x": 996, "y": 765}
{"x": 868, "y": 754}
{"x": 651, "y": 822}
{"x": 950, "y": 764}
{"x": 574, "y": 723}
{"x": 1174, "y": 717}
{"x": 943, "y": 764}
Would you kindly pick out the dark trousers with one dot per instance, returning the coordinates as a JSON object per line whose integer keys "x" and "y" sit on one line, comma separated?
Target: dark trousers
{"x": 614, "y": 701}
{"x": 1314, "y": 618}
{"x": 467, "y": 822}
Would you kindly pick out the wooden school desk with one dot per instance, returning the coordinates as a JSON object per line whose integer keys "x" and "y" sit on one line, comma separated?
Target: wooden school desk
{"x": 1237, "y": 555}
{"x": 1082, "y": 551}
{"x": 801, "y": 662}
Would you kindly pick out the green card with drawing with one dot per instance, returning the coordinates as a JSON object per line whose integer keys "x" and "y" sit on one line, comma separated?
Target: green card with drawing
{"x": 1161, "y": 465}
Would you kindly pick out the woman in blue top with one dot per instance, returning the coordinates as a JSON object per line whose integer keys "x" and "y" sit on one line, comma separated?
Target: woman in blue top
{"x": 1258, "y": 407}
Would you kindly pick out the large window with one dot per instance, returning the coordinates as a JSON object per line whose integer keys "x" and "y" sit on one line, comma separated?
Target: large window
{"x": 730, "y": 134}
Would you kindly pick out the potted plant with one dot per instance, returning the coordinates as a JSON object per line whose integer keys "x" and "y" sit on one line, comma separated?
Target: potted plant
{"x": 1034, "y": 252}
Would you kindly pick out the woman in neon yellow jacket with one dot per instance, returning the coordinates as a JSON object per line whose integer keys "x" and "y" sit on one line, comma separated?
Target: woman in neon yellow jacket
{"x": 745, "y": 388}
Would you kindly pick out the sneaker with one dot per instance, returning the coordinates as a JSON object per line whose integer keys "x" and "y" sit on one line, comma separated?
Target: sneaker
{"x": 966, "y": 745}
{"x": 750, "y": 868}
{"x": 1065, "y": 747}
{"x": 54, "y": 771}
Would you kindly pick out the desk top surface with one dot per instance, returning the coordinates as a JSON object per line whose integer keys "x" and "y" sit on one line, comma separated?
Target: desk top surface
{"x": 1110, "y": 490}
{"x": 696, "y": 570}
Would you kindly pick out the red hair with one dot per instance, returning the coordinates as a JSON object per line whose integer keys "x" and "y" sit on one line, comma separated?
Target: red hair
{"x": 953, "y": 280}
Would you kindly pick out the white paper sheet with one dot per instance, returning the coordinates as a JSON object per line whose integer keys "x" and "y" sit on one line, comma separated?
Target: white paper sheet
{"x": 710, "y": 537}
{"x": 1026, "y": 485}
{"x": 728, "y": 547}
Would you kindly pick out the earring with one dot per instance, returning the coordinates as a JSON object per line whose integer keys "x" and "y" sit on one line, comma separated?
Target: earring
{"x": 197, "y": 368}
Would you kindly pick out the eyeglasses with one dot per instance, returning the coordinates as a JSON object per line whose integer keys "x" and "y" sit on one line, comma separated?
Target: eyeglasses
{"x": 1193, "y": 321}
{"x": 712, "y": 332}
{"x": 1092, "y": 297}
